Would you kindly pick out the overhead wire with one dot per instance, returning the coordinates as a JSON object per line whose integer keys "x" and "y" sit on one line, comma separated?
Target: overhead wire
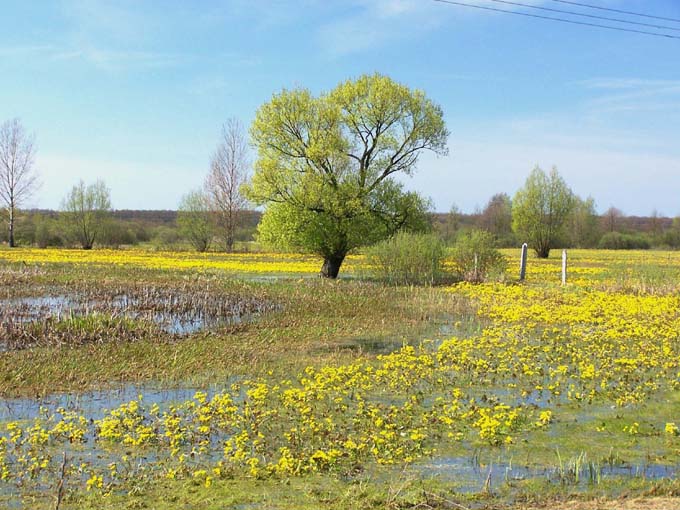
{"x": 592, "y": 16}
{"x": 610, "y": 9}
{"x": 553, "y": 18}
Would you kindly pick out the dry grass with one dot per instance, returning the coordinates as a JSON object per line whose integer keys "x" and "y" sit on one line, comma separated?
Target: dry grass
{"x": 655, "y": 503}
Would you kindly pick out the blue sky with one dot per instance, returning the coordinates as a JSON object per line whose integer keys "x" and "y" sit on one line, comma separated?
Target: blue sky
{"x": 135, "y": 92}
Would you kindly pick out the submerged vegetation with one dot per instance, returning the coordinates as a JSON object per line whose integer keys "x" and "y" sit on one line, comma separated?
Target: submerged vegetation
{"x": 343, "y": 394}
{"x": 98, "y": 314}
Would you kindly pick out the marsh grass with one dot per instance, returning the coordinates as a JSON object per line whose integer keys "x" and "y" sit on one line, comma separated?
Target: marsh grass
{"x": 96, "y": 314}
{"x": 391, "y": 490}
{"x": 73, "y": 331}
{"x": 311, "y": 323}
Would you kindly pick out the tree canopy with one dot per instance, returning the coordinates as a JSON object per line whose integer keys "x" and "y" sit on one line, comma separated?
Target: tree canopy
{"x": 540, "y": 210}
{"x": 194, "y": 219}
{"x": 85, "y": 210}
{"x": 326, "y": 164}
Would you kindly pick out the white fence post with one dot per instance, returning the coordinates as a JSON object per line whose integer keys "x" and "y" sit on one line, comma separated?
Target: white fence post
{"x": 523, "y": 263}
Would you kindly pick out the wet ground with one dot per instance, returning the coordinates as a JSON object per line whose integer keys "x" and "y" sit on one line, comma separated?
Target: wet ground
{"x": 180, "y": 312}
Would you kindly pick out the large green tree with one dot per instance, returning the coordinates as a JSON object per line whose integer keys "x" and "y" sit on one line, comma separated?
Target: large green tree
{"x": 540, "y": 210}
{"x": 326, "y": 164}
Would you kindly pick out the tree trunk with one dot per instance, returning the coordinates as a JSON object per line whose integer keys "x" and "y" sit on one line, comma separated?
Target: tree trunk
{"x": 543, "y": 252}
{"x": 331, "y": 266}
{"x": 11, "y": 226}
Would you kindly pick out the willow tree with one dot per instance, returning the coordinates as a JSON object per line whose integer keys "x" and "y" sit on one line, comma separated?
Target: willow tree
{"x": 194, "y": 219}
{"x": 540, "y": 210}
{"x": 326, "y": 164}
{"x": 85, "y": 210}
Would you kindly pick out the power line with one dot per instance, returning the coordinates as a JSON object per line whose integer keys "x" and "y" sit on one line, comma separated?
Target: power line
{"x": 592, "y": 16}
{"x": 616, "y": 10}
{"x": 562, "y": 20}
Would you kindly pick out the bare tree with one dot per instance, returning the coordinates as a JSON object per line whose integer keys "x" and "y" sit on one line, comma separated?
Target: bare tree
{"x": 229, "y": 169}
{"x": 18, "y": 178}
{"x": 611, "y": 219}
{"x": 497, "y": 216}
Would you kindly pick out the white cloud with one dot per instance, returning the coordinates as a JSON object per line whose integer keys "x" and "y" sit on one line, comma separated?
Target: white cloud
{"x": 616, "y": 146}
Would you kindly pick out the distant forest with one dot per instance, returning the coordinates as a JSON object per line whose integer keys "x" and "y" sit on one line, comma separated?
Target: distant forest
{"x": 158, "y": 229}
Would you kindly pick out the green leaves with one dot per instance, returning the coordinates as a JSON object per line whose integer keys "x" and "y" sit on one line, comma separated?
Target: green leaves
{"x": 194, "y": 221}
{"x": 325, "y": 163}
{"x": 540, "y": 210}
{"x": 85, "y": 208}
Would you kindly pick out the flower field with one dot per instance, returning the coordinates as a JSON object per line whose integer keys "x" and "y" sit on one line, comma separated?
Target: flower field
{"x": 588, "y": 372}
{"x": 256, "y": 263}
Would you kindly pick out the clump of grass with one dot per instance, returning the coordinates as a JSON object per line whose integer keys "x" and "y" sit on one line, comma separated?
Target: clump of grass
{"x": 74, "y": 331}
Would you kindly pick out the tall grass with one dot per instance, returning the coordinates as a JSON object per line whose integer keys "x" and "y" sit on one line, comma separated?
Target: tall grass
{"x": 408, "y": 259}
{"x": 476, "y": 258}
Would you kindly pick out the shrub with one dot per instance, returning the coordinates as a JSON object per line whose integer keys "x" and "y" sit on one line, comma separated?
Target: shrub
{"x": 476, "y": 257}
{"x": 115, "y": 233}
{"x": 166, "y": 238}
{"x": 47, "y": 232}
{"x": 619, "y": 241}
{"x": 408, "y": 259}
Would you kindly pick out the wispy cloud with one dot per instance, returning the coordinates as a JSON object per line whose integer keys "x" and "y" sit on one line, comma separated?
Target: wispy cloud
{"x": 21, "y": 51}
{"x": 104, "y": 59}
{"x": 628, "y": 83}
{"x": 373, "y": 23}
{"x": 626, "y": 95}
{"x": 117, "y": 59}
{"x": 122, "y": 21}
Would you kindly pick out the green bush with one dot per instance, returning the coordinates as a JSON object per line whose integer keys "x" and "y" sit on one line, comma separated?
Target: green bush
{"x": 166, "y": 238}
{"x": 619, "y": 241}
{"x": 476, "y": 257}
{"x": 408, "y": 259}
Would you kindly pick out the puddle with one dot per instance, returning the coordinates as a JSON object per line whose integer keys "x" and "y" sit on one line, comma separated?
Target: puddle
{"x": 365, "y": 346}
{"x": 93, "y": 404}
{"x": 471, "y": 477}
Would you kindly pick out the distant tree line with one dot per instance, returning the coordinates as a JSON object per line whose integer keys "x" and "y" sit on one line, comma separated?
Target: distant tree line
{"x": 558, "y": 221}
{"x": 153, "y": 229}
